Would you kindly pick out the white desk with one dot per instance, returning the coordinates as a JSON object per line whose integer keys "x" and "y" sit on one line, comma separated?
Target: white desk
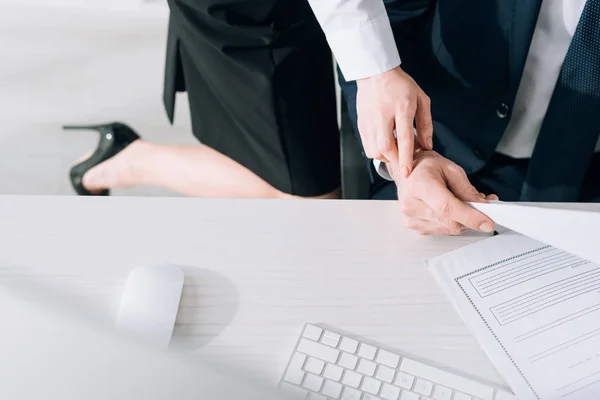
{"x": 256, "y": 270}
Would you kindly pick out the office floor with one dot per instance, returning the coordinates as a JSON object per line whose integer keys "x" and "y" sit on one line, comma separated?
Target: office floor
{"x": 63, "y": 64}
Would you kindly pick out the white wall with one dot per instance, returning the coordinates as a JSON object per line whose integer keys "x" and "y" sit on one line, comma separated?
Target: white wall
{"x": 78, "y": 65}
{"x": 92, "y": 4}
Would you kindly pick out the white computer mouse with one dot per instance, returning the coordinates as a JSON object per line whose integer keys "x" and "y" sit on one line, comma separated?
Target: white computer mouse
{"x": 149, "y": 303}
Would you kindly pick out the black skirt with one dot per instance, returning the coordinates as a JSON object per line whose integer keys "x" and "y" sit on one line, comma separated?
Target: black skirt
{"x": 259, "y": 78}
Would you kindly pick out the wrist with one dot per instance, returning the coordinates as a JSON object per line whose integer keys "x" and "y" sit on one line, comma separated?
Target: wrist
{"x": 382, "y": 76}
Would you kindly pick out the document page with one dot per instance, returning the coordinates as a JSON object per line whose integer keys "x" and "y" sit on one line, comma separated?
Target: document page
{"x": 534, "y": 309}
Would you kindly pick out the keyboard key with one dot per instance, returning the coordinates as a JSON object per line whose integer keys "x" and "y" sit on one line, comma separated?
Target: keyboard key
{"x": 294, "y": 376}
{"x": 387, "y": 358}
{"x": 442, "y": 377}
{"x": 370, "y": 385}
{"x": 349, "y": 345}
{"x": 389, "y": 392}
{"x": 366, "y": 367}
{"x": 333, "y": 372}
{"x": 423, "y": 387}
{"x": 313, "y": 382}
{"x": 462, "y": 396}
{"x": 316, "y": 396}
{"x": 314, "y": 365}
{"x": 332, "y": 389}
{"x": 367, "y": 351}
{"x": 352, "y": 379}
{"x": 294, "y": 372}
{"x": 330, "y": 339}
{"x": 405, "y": 381}
{"x": 367, "y": 396}
{"x": 294, "y": 391}
{"x": 442, "y": 393}
{"x": 406, "y": 395}
{"x": 312, "y": 332}
{"x": 318, "y": 350}
{"x": 385, "y": 374}
{"x": 351, "y": 394}
{"x": 348, "y": 361}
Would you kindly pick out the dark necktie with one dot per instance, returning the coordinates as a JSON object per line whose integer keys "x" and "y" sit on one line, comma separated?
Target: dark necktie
{"x": 571, "y": 127}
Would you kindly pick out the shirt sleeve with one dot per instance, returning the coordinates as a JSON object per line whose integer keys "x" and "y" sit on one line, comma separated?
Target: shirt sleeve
{"x": 359, "y": 34}
{"x": 382, "y": 170}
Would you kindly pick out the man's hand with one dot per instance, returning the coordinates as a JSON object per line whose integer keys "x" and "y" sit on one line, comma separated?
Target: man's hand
{"x": 391, "y": 101}
{"x": 433, "y": 197}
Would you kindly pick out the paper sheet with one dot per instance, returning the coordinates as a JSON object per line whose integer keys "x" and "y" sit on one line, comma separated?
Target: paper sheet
{"x": 534, "y": 308}
{"x": 562, "y": 226}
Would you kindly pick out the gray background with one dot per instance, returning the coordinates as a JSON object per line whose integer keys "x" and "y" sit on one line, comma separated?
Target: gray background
{"x": 85, "y": 62}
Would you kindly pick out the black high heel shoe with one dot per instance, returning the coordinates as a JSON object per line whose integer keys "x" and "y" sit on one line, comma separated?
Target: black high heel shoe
{"x": 114, "y": 137}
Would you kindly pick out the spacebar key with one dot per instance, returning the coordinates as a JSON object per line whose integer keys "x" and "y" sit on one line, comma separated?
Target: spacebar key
{"x": 442, "y": 377}
{"x": 318, "y": 350}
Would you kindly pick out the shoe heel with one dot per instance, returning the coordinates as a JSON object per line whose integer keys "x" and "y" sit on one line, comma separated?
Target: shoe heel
{"x": 114, "y": 137}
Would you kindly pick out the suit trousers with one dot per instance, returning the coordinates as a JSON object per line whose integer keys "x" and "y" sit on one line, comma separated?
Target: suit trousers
{"x": 260, "y": 82}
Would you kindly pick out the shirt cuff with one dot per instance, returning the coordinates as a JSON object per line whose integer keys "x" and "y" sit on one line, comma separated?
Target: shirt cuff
{"x": 365, "y": 50}
{"x": 382, "y": 170}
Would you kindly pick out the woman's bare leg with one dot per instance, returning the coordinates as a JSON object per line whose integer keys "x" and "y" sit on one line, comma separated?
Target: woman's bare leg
{"x": 194, "y": 171}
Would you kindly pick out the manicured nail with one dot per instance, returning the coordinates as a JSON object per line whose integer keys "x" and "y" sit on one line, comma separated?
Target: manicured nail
{"x": 405, "y": 172}
{"x": 430, "y": 142}
{"x": 486, "y": 227}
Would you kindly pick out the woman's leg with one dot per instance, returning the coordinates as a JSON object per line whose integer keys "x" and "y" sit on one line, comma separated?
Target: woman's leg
{"x": 195, "y": 171}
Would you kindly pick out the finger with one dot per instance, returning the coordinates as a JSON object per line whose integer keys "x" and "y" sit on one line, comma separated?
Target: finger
{"x": 446, "y": 206}
{"x": 445, "y": 225}
{"x": 459, "y": 184}
{"x": 492, "y": 197}
{"x": 416, "y": 209}
{"x": 429, "y": 228}
{"x": 445, "y": 231}
{"x": 413, "y": 207}
{"x": 369, "y": 143}
{"x": 386, "y": 142}
{"x": 421, "y": 226}
{"x": 424, "y": 122}
{"x": 448, "y": 226}
{"x": 405, "y": 137}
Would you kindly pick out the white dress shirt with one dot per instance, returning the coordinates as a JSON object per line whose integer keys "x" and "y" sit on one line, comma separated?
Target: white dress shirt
{"x": 554, "y": 31}
{"x": 359, "y": 34}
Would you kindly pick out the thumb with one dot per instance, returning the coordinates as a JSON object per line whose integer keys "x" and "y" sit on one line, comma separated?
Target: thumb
{"x": 460, "y": 186}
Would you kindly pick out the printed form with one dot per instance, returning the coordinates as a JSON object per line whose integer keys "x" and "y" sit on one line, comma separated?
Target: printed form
{"x": 535, "y": 310}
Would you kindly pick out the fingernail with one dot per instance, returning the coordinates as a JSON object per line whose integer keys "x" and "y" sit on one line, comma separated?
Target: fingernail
{"x": 486, "y": 227}
{"x": 405, "y": 171}
{"x": 481, "y": 195}
{"x": 430, "y": 143}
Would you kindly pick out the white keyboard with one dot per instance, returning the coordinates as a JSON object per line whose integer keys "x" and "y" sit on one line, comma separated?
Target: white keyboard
{"x": 332, "y": 365}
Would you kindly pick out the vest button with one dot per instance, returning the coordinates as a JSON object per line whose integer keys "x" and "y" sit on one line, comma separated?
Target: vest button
{"x": 502, "y": 111}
